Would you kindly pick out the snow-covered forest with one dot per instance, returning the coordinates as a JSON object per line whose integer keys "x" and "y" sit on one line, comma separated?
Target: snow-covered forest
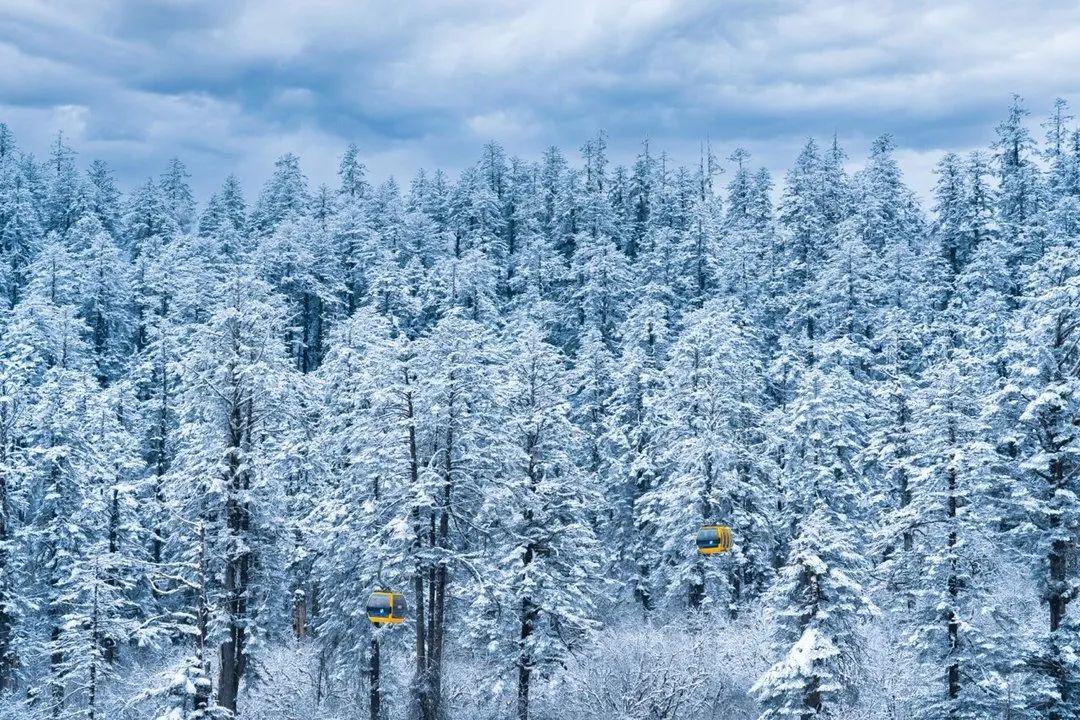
{"x": 513, "y": 394}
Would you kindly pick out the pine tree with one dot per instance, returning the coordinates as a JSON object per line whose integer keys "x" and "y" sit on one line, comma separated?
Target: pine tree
{"x": 20, "y": 238}
{"x": 710, "y": 410}
{"x": 458, "y": 408}
{"x": 95, "y": 601}
{"x": 20, "y": 366}
{"x": 225, "y": 219}
{"x": 885, "y": 211}
{"x": 632, "y": 433}
{"x": 1045, "y": 377}
{"x": 236, "y": 394}
{"x": 953, "y": 226}
{"x": 601, "y": 284}
{"x": 547, "y": 551}
{"x": 959, "y": 629}
{"x": 106, "y": 196}
{"x": 804, "y": 215}
{"x": 63, "y": 185}
{"x": 815, "y": 605}
{"x": 106, "y": 294}
{"x": 285, "y": 196}
{"x": 352, "y": 172}
{"x": 297, "y": 260}
{"x": 818, "y": 601}
{"x": 1019, "y": 198}
{"x": 848, "y": 291}
{"x": 176, "y": 194}
{"x": 699, "y": 248}
{"x": 63, "y": 477}
{"x": 147, "y": 221}
{"x": 361, "y": 522}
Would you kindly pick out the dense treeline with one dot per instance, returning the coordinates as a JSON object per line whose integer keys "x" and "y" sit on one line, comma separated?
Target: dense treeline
{"x": 514, "y": 396}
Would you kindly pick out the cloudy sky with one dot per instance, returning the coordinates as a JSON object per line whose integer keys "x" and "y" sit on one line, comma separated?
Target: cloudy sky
{"x": 227, "y": 86}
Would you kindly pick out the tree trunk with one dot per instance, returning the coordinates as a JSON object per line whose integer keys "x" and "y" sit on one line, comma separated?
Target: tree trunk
{"x": 1058, "y": 600}
{"x": 812, "y": 699}
{"x": 160, "y": 463}
{"x": 954, "y": 591}
{"x": 299, "y": 619}
{"x": 642, "y": 589}
{"x": 420, "y": 682}
{"x": 375, "y": 691}
{"x": 736, "y": 593}
{"x": 232, "y": 653}
{"x": 528, "y": 609}
{"x": 108, "y": 644}
{"x": 7, "y": 652}
{"x": 202, "y": 618}
{"x": 903, "y": 489}
{"x": 56, "y": 682}
{"x": 438, "y": 609}
{"x": 696, "y": 592}
{"x": 524, "y": 662}
{"x": 95, "y": 642}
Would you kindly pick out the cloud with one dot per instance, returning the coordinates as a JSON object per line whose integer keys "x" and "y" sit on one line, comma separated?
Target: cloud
{"x": 227, "y": 85}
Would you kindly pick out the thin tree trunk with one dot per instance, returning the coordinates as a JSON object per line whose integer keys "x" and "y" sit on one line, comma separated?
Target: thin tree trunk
{"x": 642, "y": 591}
{"x": 56, "y": 682}
{"x": 233, "y": 651}
{"x": 375, "y": 691}
{"x": 95, "y": 643}
{"x": 954, "y": 591}
{"x": 299, "y": 613}
{"x": 159, "y": 459}
{"x": 442, "y": 576}
{"x": 696, "y": 592}
{"x": 528, "y": 609}
{"x": 420, "y": 693}
{"x": 524, "y": 661}
{"x": 7, "y": 652}
{"x": 904, "y": 489}
{"x": 1058, "y": 599}
{"x": 202, "y": 618}
{"x": 813, "y": 699}
{"x": 108, "y": 644}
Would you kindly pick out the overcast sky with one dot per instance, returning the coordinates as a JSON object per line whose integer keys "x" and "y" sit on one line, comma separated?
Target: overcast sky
{"x": 228, "y": 86}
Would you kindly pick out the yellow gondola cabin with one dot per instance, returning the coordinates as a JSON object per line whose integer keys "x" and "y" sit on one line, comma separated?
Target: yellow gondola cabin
{"x": 386, "y": 608}
{"x": 713, "y": 539}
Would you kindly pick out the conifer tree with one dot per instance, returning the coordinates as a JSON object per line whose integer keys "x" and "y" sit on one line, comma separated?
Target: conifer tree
{"x": 959, "y": 629}
{"x": 546, "y": 549}
{"x": 710, "y": 409}
{"x": 816, "y": 605}
{"x": 1045, "y": 372}
{"x": 176, "y": 194}
{"x": 235, "y": 397}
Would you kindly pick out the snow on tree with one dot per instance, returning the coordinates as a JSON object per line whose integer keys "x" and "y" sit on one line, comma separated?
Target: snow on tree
{"x": 1043, "y": 386}
{"x": 362, "y": 520}
{"x": 1020, "y": 196}
{"x": 513, "y": 393}
{"x": 19, "y": 240}
{"x": 285, "y": 196}
{"x": 546, "y": 552}
{"x": 959, "y": 626}
{"x": 709, "y": 411}
{"x": 236, "y": 400}
{"x": 816, "y": 607}
{"x": 176, "y": 194}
